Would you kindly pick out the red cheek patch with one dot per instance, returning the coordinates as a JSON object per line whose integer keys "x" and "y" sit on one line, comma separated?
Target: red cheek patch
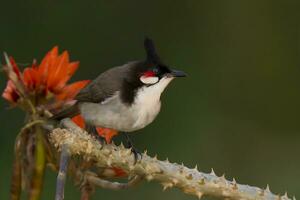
{"x": 149, "y": 74}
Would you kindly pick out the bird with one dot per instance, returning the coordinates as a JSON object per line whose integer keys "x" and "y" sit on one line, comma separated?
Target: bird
{"x": 125, "y": 98}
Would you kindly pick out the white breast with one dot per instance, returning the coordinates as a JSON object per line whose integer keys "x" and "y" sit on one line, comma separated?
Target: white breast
{"x": 114, "y": 114}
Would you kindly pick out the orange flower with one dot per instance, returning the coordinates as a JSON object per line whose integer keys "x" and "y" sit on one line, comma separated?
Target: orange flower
{"x": 10, "y": 92}
{"x": 46, "y": 84}
{"x": 43, "y": 82}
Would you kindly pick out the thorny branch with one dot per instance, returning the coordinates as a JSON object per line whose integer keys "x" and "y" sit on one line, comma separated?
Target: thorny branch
{"x": 86, "y": 178}
{"x": 190, "y": 181}
{"x": 33, "y": 150}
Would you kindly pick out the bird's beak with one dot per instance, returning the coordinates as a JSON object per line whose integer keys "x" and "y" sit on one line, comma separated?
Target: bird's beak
{"x": 177, "y": 73}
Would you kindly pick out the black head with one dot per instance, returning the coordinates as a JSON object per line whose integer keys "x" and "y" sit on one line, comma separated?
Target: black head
{"x": 154, "y": 68}
{"x": 150, "y": 73}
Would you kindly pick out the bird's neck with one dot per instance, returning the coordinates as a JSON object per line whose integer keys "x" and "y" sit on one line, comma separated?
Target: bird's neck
{"x": 151, "y": 94}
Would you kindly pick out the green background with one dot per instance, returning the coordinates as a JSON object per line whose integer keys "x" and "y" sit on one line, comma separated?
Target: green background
{"x": 238, "y": 110}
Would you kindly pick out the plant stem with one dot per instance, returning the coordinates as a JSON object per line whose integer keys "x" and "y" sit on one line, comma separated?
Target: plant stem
{"x": 39, "y": 165}
{"x": 15, "y": 187}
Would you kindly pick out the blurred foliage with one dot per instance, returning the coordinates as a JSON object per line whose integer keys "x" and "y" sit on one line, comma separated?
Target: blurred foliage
{"x": 238, "y": 110}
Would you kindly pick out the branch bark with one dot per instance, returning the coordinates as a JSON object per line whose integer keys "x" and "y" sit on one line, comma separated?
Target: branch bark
{"x": 190, "y": 181}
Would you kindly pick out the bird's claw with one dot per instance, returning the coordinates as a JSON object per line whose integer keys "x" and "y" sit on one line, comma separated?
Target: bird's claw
{"x": 137, "y": 154}
{"x": 93, "y": 131}
{"x": 101, "y": 139}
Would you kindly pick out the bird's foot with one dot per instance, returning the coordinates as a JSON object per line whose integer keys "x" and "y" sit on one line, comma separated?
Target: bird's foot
{"x": 100, "y": 139}
{"x": 93, "y": 131}
{"x": 137, "y": 154}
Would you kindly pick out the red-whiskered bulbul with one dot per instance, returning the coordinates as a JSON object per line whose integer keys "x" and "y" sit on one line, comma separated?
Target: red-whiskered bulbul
{"x": 125, "y": 98}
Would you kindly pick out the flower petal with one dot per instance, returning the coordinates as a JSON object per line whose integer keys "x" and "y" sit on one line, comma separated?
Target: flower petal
{"x": 47, "y": 65}
{"x": 59, "y": 76}
{"x": 73, "y": 66}
{"x": 70, "y": 91}
{"x": 28, "y": 78}
{"x": 15, "y": 67}
{"x": 65, "y": 75}
{"x": 10, "y": 93}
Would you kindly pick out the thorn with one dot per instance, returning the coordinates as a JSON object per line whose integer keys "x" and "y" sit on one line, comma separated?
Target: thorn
{"x": 222, "y": 178}
{"x": 182, "y": 165}
{"x": 145, "y": 152}
{"x": 212, "y": 172}
{"x": 196, "y": 167}
{"x": 285, "y": 195}
{"x": 167, "y": 185}
{"x": 128, "y": 151}
{"x": 294, "y": 198}
{"x": 199, "y": 194}
{"x": 268, "y": 188}
{"x": 155, "y": 157}
{"x": 235, "y": 187}
{"x": 233, "y": 181}
{"x": 165, "y": 188}
{"x": 122, "y": 145}
{"x": 167, "y": 160}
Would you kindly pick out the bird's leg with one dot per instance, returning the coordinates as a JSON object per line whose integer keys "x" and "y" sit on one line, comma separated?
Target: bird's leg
{"x": 93, "y": 131}
{"x": 135, "y": 151}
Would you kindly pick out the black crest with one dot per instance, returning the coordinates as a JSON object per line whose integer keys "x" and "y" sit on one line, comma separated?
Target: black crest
{"x": 152, "y": 56}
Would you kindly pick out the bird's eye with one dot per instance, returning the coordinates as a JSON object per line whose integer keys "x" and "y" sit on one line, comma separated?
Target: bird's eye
{"x": 155, "y": 70}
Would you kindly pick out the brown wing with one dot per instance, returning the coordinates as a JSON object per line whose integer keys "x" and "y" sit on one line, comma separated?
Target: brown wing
{"x": 105, "y": 85}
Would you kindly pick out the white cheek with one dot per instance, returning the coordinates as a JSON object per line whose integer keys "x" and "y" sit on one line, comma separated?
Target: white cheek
{"x": 149, "y": 80}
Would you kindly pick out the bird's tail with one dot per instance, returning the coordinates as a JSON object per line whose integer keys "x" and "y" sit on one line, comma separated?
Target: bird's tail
{"x": 66, "y": 113}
